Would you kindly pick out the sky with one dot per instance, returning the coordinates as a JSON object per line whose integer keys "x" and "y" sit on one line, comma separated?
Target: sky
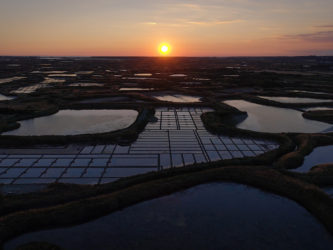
{"x": 191, "y": 28}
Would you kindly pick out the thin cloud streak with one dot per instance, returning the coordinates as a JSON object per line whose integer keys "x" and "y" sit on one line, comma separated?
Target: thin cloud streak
{"x": 322, "y": 37}
{"x": 324, "y": 26}
{"x": 216, "y": 22}
{"x": 188, "y": 22}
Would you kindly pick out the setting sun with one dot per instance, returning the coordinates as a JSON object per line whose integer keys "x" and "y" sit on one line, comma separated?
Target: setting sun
{"x": 164, "y": 49}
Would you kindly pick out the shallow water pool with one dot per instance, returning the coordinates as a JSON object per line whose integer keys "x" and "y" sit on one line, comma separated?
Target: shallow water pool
{"x": 294, "y": 99}
{"x": 320, "y": 155}
{"x": 276, "y": 120}
{"x": 178, "y": 98}
{"x": 143, "y": 74}
{"x": 318, "y": 108}
{"x": 178, "y": 75}
{"x": 75, "y": 122}
{"x": 136, "y": 89}
{"x": 210, "y": 216}
{"x": 5, "y": 98}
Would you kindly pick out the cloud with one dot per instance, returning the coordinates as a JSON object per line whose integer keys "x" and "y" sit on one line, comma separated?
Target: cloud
{"x": 164, "y": 24}
{"x": 324, "y": 26}
{"x": 185, "y": 22}
{"x": 149, "y": 23}
{"x": 322, "y": 36}
{"x": 217, "y": 22}
{"x": 190, "y": 6}
{"x": 317, "y": 52}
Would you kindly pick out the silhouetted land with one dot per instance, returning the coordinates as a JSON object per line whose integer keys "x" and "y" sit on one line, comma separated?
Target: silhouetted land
{"x": 34, "y": 87}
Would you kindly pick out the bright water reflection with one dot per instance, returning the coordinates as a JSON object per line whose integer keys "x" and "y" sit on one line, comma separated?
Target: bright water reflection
{"x": 74, "y": 122}
{"x": 5, "y": 98}
{"x": 276, "y": 120}
{"x": 178, "y": 98}
{"x": 294, "y": 99}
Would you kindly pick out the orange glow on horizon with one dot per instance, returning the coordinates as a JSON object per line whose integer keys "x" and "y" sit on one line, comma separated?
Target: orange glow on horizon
{"x": 193, "y": 28}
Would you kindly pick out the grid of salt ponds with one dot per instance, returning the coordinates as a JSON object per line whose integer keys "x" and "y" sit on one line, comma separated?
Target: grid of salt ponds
{"x": 178, "y": 139}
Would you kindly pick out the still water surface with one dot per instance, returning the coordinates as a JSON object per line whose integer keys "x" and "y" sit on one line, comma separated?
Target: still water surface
{"x": 74, "y": 122}
{"x": 5, "y": 98}
{"x": 294, "y": 99}
{"x": 320, "y": 155}
{"x": 178, "y": 98}
{"x": 210, "y": 216}
{"x": 276, "y": 120}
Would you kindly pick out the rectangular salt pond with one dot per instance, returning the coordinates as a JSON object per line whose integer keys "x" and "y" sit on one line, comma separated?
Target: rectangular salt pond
{"x": 30, "y": 89}
{"x": 276, "y": 120}
{"x": 178, "y": 98}
{"x": 84, "y": 72}
{"x": 136, "y": 89}
{"x": 310, "y": 92}
{"x": 11, "y": 79}
{"x": 294, "y": 99}
{"x": 143, "y": 74}
{"x": 318, "y": 108}
{"x": 138, "y": 78}
{"x": 178, "y": 75}
{"x": 48, "y": 80}
{"x": 75, "y": 122}
{"x": 48, "y": 72}
{"x": 34, "y": 88}
{"x": 5, "y": 98}
{"x": 62, "y": 75}
{"x": 86, "y": 85}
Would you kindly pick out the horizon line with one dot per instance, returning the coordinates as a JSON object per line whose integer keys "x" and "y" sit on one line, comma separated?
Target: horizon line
{"x": 329, "y": 55}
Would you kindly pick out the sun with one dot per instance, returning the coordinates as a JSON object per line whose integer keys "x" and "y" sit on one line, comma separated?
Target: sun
{"x": 164, "y": 49}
